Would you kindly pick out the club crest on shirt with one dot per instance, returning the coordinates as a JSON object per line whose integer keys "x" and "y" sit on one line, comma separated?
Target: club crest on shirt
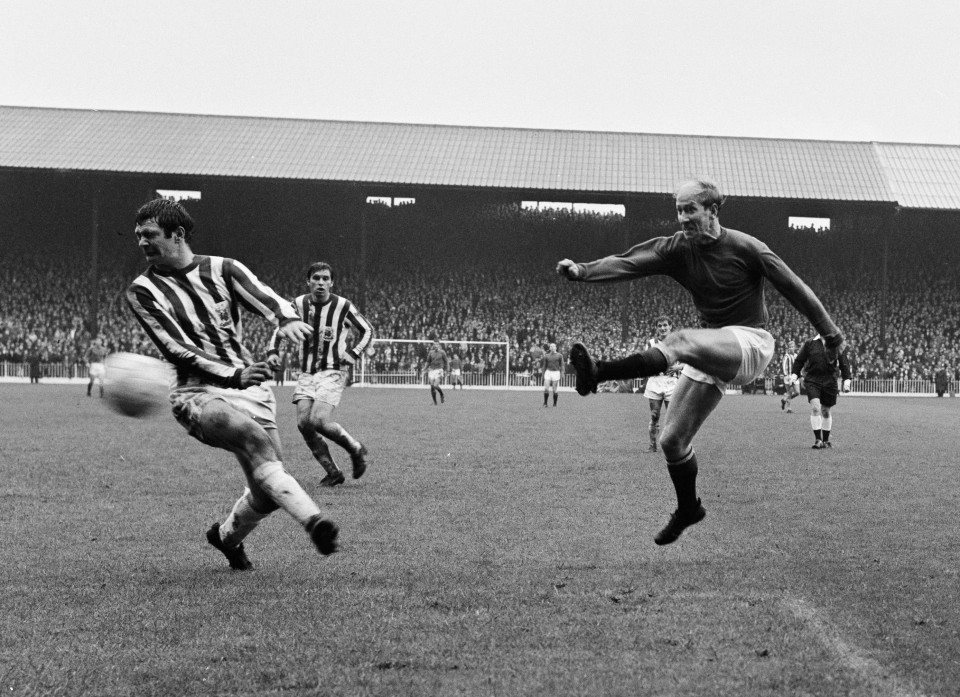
{"x": 222, "y": 311}
{"x": 327, "y": 334}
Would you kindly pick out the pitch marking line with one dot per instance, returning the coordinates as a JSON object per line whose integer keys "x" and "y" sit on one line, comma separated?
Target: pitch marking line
{"x": 881, "y": 679}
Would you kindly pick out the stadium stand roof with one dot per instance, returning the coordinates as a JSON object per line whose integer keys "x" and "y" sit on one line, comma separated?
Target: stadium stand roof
{"x": 916, "y": 176}
{"x": 922, "y": 176}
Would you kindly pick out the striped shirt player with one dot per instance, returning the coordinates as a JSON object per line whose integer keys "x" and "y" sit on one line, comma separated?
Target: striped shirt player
{"x": 791, "y": 385}
{"x": 659, "y": 388}
{"x": 192, "y": 315}
{"x": 324, "y": 361}
{"x": 189, "y": 306}
{"x": 334, "y": 323}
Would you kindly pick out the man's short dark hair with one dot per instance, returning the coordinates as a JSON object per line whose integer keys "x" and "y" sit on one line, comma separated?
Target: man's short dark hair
{"x": 664, "y": 318}
{"x": 168, "y": 214}
{"x": 319, "y": 266}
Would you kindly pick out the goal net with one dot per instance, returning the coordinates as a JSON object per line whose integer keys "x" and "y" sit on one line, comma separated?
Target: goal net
{"x": 403, "y": 363}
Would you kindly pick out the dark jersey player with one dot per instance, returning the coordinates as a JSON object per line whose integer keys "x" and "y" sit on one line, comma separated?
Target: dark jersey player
{"x": 725, "y": 271}
{"x": 552, "y": 369}
{"x": 823, "y": 367}
{"x": 437, "y": 365}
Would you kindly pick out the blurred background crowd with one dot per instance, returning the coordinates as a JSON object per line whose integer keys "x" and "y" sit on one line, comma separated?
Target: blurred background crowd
{"x": 495, "y": 281}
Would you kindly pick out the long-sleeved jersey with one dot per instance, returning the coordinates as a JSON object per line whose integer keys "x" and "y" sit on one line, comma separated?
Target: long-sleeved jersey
{"x": 553, "y": 360}
{"x": 436, "y": 359}
{"x": 725, "y": 277}
{"x": 192, "y": 315}
{"x": 327, "y": 348}
{"x": 95, "y": 353}
{"x": 813, "y": 355}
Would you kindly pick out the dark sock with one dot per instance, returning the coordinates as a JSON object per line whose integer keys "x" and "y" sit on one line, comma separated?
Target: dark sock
{"x": 826, "y": 436}
{"x": 818, "y": 434}
{"x": 544, "y": 399}
{"x": 684, "y": 477}
{"x": 555, "y": 395}
{"x": 639, "y": 365}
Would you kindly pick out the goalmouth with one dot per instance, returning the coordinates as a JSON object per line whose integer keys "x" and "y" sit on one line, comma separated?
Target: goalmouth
{"x": 402, "y": 363}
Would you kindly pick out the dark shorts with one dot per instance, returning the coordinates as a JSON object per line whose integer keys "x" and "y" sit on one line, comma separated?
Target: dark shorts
{"x": 826, "y": 391}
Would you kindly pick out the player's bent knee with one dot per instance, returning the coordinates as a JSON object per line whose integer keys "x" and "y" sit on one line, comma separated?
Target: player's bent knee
{"x": 672, "y": 444}
{"x": 308, "y": 424}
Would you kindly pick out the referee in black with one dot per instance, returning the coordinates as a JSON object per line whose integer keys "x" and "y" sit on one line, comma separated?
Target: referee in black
{"x": 823, "y": 366}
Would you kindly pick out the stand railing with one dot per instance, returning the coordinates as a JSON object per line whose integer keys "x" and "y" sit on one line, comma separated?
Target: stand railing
{"x": 62, "y": 372}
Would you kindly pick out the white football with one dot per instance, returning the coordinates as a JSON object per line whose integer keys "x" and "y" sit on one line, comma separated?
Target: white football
{"x": 136, "y": 385}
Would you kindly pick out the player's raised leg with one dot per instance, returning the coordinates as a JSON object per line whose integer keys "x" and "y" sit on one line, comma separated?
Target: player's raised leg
{"x": 714, "y": 351}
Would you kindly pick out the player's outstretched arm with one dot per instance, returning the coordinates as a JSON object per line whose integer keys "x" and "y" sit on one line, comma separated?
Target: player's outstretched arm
{"x": 568, "y": 269}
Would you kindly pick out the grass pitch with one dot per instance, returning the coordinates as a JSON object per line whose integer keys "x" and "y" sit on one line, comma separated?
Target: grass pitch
{"x": 493, "y": 548}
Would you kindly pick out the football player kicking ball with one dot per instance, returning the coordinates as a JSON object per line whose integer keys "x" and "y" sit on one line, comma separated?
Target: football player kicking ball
{"x": 725, "y": 271}
{"x": 325, "y": 359}
{"x": 189, "y": 306}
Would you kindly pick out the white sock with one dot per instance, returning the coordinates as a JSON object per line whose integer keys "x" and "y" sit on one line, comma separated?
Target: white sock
{"x": 286, "y": 491}
{"x": 241, "y": 521}
{"x": 338, "y": 434}
{"x": 827, "y": 423}
{"x": 816, "y": 422}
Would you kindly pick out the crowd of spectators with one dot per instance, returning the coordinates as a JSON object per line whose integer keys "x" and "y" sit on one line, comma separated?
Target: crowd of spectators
{"x": 473, "y": 288}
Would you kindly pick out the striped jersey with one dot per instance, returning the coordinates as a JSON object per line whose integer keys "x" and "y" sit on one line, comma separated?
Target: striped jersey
{"x": 672, "y": 371}
{"x": 786, "y": 364}
{"x": 192, "y": 315}
{"x": 327, "y": 348}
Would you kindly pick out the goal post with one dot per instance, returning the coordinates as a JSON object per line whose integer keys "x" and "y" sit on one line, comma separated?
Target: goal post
{"x": 402, "y": 363}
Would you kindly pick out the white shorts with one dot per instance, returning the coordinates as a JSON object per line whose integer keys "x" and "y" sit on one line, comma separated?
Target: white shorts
{"x": 435, "y": 374}
{"x": 756, "y": 352}
{"x": 551, "y": 376}
{"x": 455, "y": 373}
{"x": 256, "y": 401}
{"x": 660, "y": 387}
{"x": 97, "y": 371}
{"x": 325, "y": 386}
